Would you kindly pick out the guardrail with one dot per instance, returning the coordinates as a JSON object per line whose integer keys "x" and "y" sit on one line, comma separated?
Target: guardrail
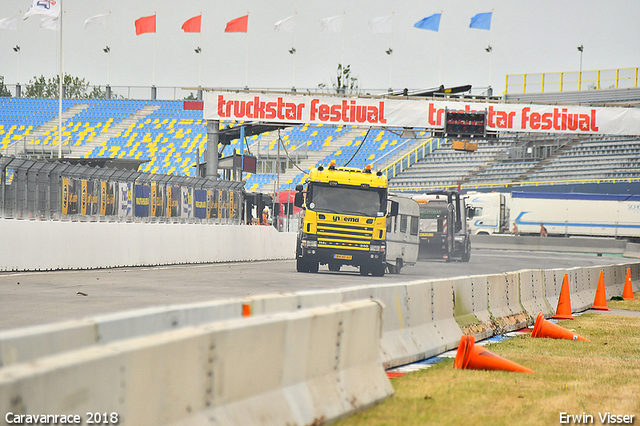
{"x": 411, "y": 157}
{"x": 571, "y": 81}
{"x": 300, "y": 358}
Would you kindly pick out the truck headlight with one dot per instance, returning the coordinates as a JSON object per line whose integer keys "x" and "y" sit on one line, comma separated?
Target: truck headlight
{"x": 310, "y": 243}
{"x": 376, "y": 248}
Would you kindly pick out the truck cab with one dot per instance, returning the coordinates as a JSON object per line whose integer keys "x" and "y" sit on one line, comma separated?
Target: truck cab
{"x": 443, "y": 226}
{"x": 344, "y": 220}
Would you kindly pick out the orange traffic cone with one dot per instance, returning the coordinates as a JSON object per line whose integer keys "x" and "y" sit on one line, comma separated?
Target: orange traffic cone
{"x": 544, "y": 328}
{"x": 627, "y": 293}
{"x": 564, "y": 302}
{"x": 600, "y": 302}
{"x": 473, "y": 357}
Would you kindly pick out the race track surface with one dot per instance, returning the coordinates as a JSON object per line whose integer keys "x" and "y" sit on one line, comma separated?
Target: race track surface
{"x": 32, "y": 298}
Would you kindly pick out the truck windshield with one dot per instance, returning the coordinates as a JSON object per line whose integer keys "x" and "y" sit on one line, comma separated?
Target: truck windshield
{"x": 432, "y": 218}
{"x": 347, "y": 200}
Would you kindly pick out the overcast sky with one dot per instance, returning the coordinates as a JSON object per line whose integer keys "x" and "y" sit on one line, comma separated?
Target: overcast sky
{"x": 527, "y": 36}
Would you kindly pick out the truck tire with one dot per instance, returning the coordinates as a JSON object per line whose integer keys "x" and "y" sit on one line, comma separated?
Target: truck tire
{"x": 378, "y": 270}
{"x": 313, "y": 267}
{"x": 302, "y": 265}
{"x": 466, "y": 255}
{"x": 364, "y": 271}
{"x": 335, "y": 267}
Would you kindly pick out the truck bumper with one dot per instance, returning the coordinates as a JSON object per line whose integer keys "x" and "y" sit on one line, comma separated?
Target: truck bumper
{"x": 343, "y": 257}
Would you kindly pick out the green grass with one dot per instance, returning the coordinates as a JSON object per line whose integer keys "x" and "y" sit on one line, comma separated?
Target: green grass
{"x": 571, "y": 377}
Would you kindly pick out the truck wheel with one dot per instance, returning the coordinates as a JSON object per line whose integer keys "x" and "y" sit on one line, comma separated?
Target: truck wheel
{"x": 466, "y": 256}
{"x": 301, "y": 265}
{"x": 399, "y": 265}
{"x": 378, "y": 270}
{"x": 364, "y": 271}
{"x": 334, "y": 267}
{"x": 313, "y": 267}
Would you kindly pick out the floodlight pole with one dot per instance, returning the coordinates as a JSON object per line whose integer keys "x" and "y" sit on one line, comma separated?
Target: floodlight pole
{"x": 60, "y": 87}
{"x": 213, "y": 134}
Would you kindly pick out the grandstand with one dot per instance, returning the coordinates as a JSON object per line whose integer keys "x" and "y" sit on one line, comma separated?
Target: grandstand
{"x": 169, "y": 137}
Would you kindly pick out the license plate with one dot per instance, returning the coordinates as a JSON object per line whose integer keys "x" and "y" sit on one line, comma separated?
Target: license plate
{"x": 342, "y": 256}
{"x": 426, "y": 234}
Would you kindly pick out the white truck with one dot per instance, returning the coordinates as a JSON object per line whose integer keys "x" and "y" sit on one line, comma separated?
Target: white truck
{"x": 605, "y": 215}
{"x": 403, "y": 241}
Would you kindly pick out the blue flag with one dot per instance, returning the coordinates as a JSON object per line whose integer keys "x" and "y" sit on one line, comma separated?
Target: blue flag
{"x": 481, "y": 21}
{"x": 431, "y": 23}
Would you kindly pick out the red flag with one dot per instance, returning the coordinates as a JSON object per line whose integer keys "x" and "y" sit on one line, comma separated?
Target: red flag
{"x": 238, "y": 25}
{"x": 146, "y": 24}
{"x": 192, "y": 25}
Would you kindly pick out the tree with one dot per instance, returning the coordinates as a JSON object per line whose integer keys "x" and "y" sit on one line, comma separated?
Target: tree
{"x": 344, "y": 81}
{"x": 74, "y": 88}
{"x": 4, "y": 92}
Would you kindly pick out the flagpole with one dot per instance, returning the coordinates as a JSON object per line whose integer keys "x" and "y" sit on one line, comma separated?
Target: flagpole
{"x": 440, "y": 54}
{"x": 391, "y": 54}
{"x": 246, "y": 62}
{"x": 295, "y": 33}
{"x": 342, "y": 31}
{"x": 60, "y": 87}
{"x": 109, "y": 46}
{"x": 155, "y": 36}
{"x": 200, "y": 54}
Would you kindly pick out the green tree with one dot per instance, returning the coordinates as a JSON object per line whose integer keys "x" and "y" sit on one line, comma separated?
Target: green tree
{"x": 344, "y": 81}
{"x": 74, "y": 88}
{"x": 4, "y": 92}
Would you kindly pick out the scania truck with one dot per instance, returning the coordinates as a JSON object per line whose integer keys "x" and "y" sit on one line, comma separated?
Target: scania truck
{"x": 344, "y": 220}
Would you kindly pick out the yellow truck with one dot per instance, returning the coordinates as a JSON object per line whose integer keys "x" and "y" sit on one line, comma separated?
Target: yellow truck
{"x": 344, "y": 220}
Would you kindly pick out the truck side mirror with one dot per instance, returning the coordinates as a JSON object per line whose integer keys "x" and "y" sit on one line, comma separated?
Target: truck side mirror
{"x": 299, "y": 188}
{"x": 393, "y": 210}
{"x": 471, "y": 212}
{"x": 298, "y": 199}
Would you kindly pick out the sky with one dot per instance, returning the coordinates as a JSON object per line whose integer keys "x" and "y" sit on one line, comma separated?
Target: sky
{"x": 526, "y": 37}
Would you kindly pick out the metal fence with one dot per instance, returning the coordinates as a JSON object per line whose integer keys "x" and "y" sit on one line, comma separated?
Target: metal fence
{"x": 620, "y": 78}
{"x": 47, "y": 190}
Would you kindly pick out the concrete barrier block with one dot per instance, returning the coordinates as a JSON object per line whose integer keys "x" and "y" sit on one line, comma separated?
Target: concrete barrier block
{"x": 315, "y": 298}
{"x": 617, "y": 284}
{"x": 294, "y": 368}
{"x": 532, "y": 293}
{"x": 273, "y": 303}
{"x": 504, "y": 302}
{"x": 26, "y": 344}
{"x": 581, "y": 299}
{"x": 444, "y": 324}
{"x": 466, "y": 313}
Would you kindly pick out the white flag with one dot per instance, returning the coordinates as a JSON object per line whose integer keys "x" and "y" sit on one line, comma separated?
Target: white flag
{"x": 9, "y": 23}
{"x": 331, "y": 25}
{"x": 49, "y": 8}
{"x": 99, "y": 21}
{"x": 383, "y": 24}
{"x": 286, "y": 25}
{"x": 49, "y": 23}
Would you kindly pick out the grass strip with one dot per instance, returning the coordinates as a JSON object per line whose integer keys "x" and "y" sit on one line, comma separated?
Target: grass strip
{"x": 577, "y": 378}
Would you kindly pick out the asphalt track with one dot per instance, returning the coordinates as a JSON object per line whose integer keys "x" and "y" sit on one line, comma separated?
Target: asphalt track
{"x": 31, "y": 298}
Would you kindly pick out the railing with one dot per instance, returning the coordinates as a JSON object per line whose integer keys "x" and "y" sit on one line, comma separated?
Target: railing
{"x": 415, "y": 188}
{"x": 619, "y": 78}
{"x": 43, "y": 190}
{"x": 412, "y": 157}
{"x": 31, "y": 148}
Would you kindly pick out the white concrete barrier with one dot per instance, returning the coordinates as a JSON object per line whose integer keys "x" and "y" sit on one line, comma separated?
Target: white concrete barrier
{"x": 30, "y": 343}
{"x": 470, "y": 307}
{"x": 532, "y": 293}
{"x": 504, "y": 302}
{"x": 51, "y": 245}
{"x": 298, "y": 368}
